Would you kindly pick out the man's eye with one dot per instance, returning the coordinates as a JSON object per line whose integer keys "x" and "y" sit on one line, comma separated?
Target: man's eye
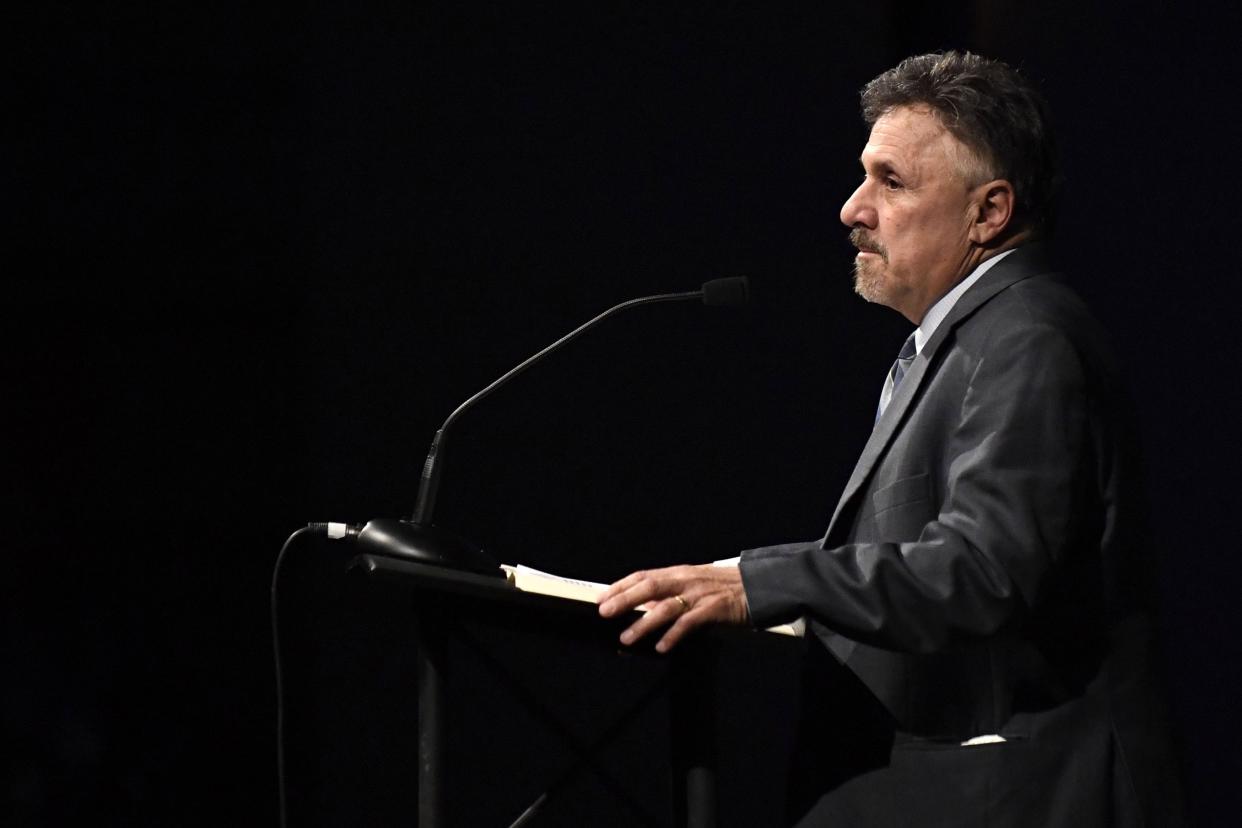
{"x": 892, "y": 183}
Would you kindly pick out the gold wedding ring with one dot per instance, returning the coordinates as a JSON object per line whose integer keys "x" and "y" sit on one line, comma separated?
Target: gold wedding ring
{"x": 684, "y": 604}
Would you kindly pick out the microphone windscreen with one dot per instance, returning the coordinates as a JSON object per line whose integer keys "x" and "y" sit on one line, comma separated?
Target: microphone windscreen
{"x": 728, "y": 292}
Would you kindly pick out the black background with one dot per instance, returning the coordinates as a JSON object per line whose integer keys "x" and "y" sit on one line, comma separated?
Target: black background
{"x": 257, "y": 257}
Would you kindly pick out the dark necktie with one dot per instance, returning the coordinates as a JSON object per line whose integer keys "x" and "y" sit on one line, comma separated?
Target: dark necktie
{"x": 904, "y": 358}
{"x": 898, "y": 371}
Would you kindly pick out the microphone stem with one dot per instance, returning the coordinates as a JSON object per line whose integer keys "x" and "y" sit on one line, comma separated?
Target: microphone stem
{"x": 431, "y": 468}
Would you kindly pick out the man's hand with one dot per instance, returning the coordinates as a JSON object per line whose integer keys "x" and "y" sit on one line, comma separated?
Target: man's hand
{"x": 683, "y": 596}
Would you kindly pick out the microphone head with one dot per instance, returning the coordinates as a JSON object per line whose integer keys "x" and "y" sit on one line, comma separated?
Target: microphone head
{"x": 731, "y": 291}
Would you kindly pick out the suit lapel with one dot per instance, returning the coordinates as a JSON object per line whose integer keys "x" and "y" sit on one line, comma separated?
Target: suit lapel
{"x": 1021, "y": 264}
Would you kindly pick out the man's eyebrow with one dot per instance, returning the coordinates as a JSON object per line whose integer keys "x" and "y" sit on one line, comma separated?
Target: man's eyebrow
{"x": 881, "y": 165}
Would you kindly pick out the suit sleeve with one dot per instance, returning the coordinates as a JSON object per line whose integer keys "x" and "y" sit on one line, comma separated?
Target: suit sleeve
{"x": 1015, "y": 471}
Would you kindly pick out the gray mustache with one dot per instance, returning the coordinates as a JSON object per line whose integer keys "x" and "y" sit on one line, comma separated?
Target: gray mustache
{"x": 860, "y": 239}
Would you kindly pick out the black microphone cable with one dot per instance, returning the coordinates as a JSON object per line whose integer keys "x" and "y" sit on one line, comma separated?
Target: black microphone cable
{"x": 330, "y": 530}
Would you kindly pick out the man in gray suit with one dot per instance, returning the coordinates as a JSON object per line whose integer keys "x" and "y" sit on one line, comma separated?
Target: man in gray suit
{"x": 984, "y": 580}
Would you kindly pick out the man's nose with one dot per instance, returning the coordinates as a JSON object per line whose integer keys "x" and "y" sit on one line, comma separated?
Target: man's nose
{"x": 857, "y": 210}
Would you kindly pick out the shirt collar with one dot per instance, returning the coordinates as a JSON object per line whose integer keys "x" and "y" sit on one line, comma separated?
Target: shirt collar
{"x": 937, "y": 312}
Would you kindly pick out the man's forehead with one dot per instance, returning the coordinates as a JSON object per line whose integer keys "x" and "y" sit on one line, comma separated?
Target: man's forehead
{"x": 905, "y": 134}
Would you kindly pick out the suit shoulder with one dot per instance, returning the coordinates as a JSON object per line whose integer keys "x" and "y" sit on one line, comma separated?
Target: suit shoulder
{"x": 1042, "y": 301}
{"x": 1043, "y": 298}
{"x": 1040, "y": 312}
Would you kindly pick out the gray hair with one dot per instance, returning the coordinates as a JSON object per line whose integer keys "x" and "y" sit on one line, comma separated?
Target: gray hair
{"x": 994, "y": 111}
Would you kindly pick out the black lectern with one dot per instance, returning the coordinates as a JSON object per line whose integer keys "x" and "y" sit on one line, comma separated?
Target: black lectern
{"x": 444, "y": 602}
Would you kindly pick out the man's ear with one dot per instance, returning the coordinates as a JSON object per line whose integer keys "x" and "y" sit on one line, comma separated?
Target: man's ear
{"x": 994, "y": 208}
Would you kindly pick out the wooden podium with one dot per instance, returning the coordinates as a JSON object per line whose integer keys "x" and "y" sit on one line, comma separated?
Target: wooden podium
{"x": 445, "y": 602}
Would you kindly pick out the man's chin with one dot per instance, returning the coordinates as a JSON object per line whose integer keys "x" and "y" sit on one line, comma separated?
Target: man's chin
{"x": 869, "y": 285}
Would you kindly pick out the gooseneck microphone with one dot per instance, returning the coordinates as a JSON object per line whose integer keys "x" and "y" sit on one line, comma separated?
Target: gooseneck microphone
{"x": 416, "y": 538}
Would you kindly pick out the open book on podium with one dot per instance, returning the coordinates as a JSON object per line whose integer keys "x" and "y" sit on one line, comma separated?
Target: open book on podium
{"x": 543, "y": 583}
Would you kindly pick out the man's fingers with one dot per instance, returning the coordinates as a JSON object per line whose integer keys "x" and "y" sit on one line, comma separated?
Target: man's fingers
{"x": 620, "y": 586}
{"x": 660, "y": 614}
{"x": 684, "y": 624}
{"x": 633, "y": 590}
{"x": 627, "y": 598}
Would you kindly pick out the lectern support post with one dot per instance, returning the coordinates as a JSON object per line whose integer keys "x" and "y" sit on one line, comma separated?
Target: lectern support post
{"x": 693, "y": 734}
{"x": 430, "y": 724}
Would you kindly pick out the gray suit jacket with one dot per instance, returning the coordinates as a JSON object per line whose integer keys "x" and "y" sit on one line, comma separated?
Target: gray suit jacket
{"x": 984, "y": 573}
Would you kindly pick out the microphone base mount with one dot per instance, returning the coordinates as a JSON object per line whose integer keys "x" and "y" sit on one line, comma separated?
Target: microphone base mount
{"x": 425, "y": 544}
